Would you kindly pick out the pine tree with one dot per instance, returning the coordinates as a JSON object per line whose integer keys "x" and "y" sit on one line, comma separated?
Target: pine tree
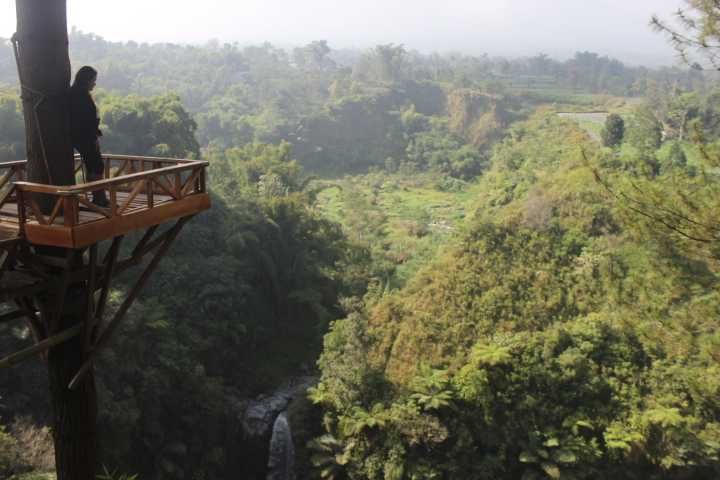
{"x": 614, "y": 131}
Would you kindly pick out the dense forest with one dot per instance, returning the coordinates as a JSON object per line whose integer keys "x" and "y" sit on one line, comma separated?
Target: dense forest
{"x": 458, "y": 267}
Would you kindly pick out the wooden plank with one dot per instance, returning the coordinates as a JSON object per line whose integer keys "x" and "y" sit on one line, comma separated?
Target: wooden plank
{"x": 84, "y": 216}
{"x": 112, "y": 156}
{"x": 106, "y": 183}
{"x": 86, "y": 234}
{"x": 49, "y": 235}
{"x": 14, "y": 163}
{"x": 42, "y": 188}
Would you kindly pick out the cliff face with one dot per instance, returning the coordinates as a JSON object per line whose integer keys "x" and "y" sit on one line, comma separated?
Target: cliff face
{"x": 476, "y": 116}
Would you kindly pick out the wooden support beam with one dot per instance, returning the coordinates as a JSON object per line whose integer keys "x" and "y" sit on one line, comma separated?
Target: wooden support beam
{"x": 141, "y": 250}
{"x": 143, "y": 241}
{"x": 40, "y": 347}
{"x": 90, "y": 307}
{"x": 36, "y": 327}
{"x": 109, "y": 270}
{"x": 120, "y": 314}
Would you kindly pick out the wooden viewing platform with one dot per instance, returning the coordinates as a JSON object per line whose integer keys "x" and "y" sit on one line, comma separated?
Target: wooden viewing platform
{"x": 143, "y": 192}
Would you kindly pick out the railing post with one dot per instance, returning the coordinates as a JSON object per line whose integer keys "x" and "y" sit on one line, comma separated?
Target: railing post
{"x": 70, "y": 210}
{"x": 113, "y": 200}
{"x": 150, "y": 190}
{"x": 178, "y": 186}
{"x": 21, "y": 210}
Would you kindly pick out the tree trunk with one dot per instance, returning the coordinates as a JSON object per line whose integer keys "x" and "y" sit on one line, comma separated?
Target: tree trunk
{"x": 44, "y": 71}
{"x": 45, "y": 77}
{"x": 74, "y": 411}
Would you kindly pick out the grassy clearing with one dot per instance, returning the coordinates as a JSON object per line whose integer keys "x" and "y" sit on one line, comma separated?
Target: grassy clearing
{"x": 592, "y": 123}
{"x": 405, "y": 219}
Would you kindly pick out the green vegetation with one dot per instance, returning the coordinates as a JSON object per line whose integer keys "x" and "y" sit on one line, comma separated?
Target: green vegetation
{"x": 487, "y": 291}
{"x": 547, "y": 343}
{"x": 614, "y": 130}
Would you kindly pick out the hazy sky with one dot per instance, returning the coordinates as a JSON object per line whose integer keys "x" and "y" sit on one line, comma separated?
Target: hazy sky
{"x": 510, "y": 27}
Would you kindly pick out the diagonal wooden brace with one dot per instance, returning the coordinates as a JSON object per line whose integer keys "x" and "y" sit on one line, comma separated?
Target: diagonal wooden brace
{"x": 120, "y": 314}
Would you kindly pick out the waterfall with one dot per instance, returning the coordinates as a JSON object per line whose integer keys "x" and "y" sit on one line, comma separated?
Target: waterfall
{"x": 281, "y": 458}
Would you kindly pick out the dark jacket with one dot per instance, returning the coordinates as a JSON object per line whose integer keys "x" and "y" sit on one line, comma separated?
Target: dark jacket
{"x": 84, "y": 121}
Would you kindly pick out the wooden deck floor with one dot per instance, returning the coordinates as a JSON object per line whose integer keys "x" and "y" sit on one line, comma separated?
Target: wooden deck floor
{"x": 93, "y": 226}
{"x": 8, "y": 231}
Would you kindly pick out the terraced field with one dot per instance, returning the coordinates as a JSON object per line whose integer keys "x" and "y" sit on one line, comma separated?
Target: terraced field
{"x": 592, "y": 122}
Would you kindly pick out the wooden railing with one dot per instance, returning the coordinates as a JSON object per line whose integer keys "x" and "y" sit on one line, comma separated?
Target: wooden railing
{"x": 132, "y": 184}
{"x": 10, "y": 173}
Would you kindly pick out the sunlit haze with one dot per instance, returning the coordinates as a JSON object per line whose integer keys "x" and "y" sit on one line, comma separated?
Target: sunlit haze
{"x": 519, "y": 27}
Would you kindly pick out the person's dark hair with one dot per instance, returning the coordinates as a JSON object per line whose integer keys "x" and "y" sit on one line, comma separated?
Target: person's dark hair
{"x": 83, "y": 77}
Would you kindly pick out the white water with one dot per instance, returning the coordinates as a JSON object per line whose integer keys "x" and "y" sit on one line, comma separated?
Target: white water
{"x": 281, "y": 458}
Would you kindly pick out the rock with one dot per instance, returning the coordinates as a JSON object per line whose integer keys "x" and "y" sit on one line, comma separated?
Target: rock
{"x": 261, "y": 412}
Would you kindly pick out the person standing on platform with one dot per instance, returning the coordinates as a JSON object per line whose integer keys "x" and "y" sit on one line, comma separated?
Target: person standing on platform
{"x": 85, "y": 129}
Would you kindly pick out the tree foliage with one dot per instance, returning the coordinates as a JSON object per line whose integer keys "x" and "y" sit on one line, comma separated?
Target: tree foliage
{"x": 614, "y": 130}
{"x": 555, "y": 340}
{"x": 558, "y": 327}
{"x": 696, "y": 32}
